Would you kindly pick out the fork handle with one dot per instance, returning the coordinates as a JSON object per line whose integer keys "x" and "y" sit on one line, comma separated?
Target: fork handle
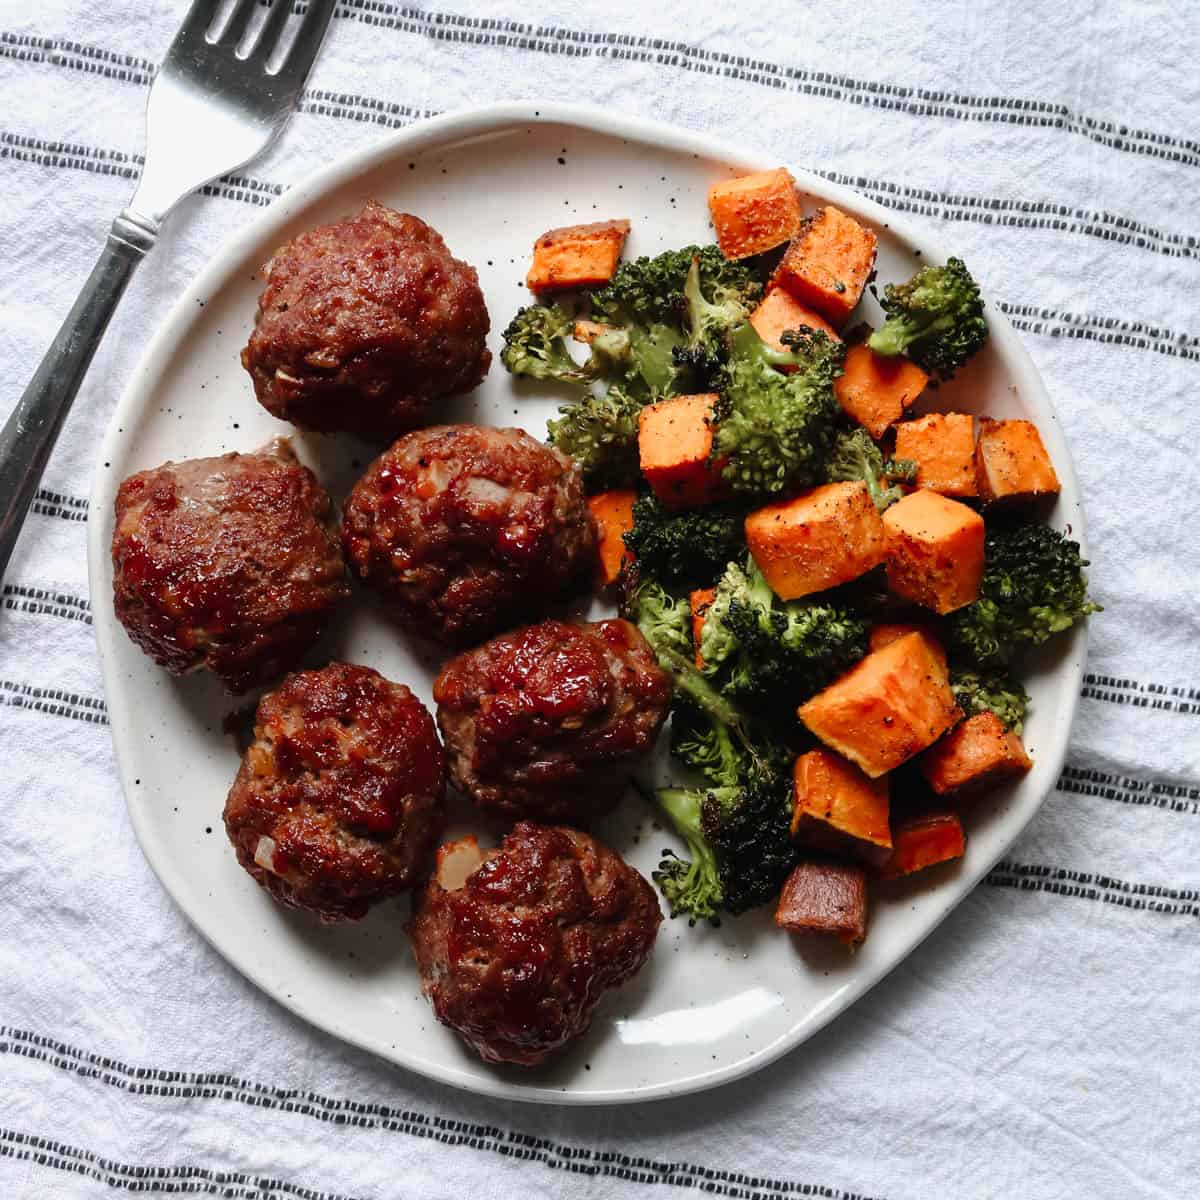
{"x": 29, "y": 434}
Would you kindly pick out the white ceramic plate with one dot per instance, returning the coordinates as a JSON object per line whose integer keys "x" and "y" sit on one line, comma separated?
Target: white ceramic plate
{"x": 491, "y": 181}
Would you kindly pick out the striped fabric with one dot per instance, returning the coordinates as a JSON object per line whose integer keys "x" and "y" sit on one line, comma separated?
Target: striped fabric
{"x": 1043, "y": 1042}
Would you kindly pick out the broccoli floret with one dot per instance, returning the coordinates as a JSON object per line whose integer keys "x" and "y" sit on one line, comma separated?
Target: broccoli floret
{"x": 775, "y": 429}
{"x": 705, "y": 746}
{"x": 600, "y": 434}
{"x": 977, "y": 692}
{"x": 1033, "y": 587}
{"x": 856, "y": 457}
{"x": 709, "y": 325}
{"x": 936, "y": 318}
{"x": 535, "y": 345}
{"x": 739, "y": 845}
{"x": 771, "y": 656}
{"x": 684, "y": 549}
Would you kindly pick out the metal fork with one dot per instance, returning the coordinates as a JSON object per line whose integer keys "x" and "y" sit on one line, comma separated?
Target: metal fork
{"x": 215, "y": 104}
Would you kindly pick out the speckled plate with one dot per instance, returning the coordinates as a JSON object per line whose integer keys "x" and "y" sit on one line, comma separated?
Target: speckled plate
{"x": 491, "y": 180}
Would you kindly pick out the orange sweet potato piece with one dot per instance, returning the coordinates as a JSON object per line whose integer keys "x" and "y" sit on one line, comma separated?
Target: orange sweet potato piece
{"x": 825, "y": 897}
{"x": 876, "y": 391}
{"x": 577, "y": 255}
{"x": 887, "y": 632}
{"x": 924, "y": 842}
{"x": 674, "y": 446}
{"x": 973, "y": 756}
{"x": 699, "y": 602}
{"x": 613, "y": 514}
{"x": 780, "y": 312}
{"x": 1012, "y": 462}
{"x": 886, "y": 708}
{"x": 829, "y": 263}
{"x": 589, "y": 331}
{"x": 755, "y": 212}
{"x": 836, "y": 808}
{"x": 825, "y": 536}
{"x": 943, "y": 447}
{"x": 934, "y": 551}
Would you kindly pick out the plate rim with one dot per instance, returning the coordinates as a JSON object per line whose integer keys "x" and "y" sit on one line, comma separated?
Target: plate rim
{"x": 457, "y": 126}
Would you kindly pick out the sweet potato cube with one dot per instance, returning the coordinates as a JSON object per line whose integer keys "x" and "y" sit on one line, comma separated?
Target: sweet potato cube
{"x": 829, "y": 263}
{"x": 924, "y": 842}
{"x": 886, "y": 708}
{"x": 836, "y": 808}
{"x": 613, "y": 514}
{"x": 823, "y": 537}
{"x": 1012, "y": 462}
{"x": 674, "y": 445}
{"x": 700, "y": 601}
{"x": 973, "y": 756}
{"x": 887, "y": 632}
{"x": 825, "y": 897}
{"x": 577, "y": 256}
{"x": 780, "y": 312}
{"x": 876, "y": 391}
{"x": 934, "y": 551}
{"x": 943, "y": 447}
{"x": 755, "y": 212}
{"x": 589, "y": 331}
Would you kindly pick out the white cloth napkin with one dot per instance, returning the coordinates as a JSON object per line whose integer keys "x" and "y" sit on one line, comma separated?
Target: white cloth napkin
{"x": 1043, "y": 1043}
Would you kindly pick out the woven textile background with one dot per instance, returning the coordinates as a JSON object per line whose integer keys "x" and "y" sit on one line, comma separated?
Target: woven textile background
{"x": 1043, "y": 1043}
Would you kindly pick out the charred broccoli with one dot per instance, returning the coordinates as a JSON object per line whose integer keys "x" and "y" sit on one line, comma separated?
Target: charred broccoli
{"x": 936, "y": 318}
{"x": 856, "y": 457}
{"x": 1033, "y": 587}
{"x": 771, "y": 656}
{"x": 600, "y": 434}
{"x": 775, "y": 429}
{"x": 684, "y": 549}
{"x": 977, "y": 692}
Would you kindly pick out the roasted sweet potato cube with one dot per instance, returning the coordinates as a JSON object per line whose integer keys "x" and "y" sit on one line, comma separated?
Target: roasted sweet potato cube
{"x": 836, "y": 808}
{"x": 1011, "y": 462}
{"x": 943, "y": 447}
{"x": 577, "y": 256}
{"x": 825, "y": 897}
{"x": 823, "y": 537}
{"x": 934, "y": 551}
{"x": 887, "y": 632}
{"x": 589, "y": 331}
{"x": 780, "y": 312}
{"x": 754, "y": 213}
{"x": 977, "y": 754}
{"x": 699, "y": 602}
{"x": 674, "y": 445}
{"x": 613, "y": 515}
{"x": 829, "y": 263}
{"x": 924, "y": 842}
{"x": 886, "y": 708}
{"x": 876, "y": 391}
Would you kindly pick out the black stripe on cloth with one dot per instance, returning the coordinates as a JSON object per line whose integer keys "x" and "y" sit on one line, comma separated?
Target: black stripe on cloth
{"x": 1151, "y": 793}
{"x": 57, "y": 504}
{"x": 985, "y": 210}
{"x": 43, "y": 602}
{"x": 1083, "y": 885}
{"x": 127, "y": 1177}
{"x": 662, "y": 52}
{"x": 55, "y": 702}
{"x": 1140, "y": 694}
{"x": 507, "y": 1143}
{"x": 1043, "y": 322}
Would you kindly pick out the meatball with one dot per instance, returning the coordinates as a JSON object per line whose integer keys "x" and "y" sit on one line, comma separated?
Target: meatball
{"x": 463, "y": 530}
{"x": 339, "y": 799}
{"x": 542, "y": 722}
{"x": 515, "y": 946}
{"x": 364, "y": 324}
{"x": 227, "y": 563}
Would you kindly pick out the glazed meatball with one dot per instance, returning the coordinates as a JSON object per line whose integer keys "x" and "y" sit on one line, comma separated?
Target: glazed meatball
{"x": 543, "y": 722}
{"x": 516, "y": 946}
{"x": 364, "y": 325}
{"x": 227, "y": 563}
{"x": 339, "y": 800}
{"x": 463, "y": 529}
